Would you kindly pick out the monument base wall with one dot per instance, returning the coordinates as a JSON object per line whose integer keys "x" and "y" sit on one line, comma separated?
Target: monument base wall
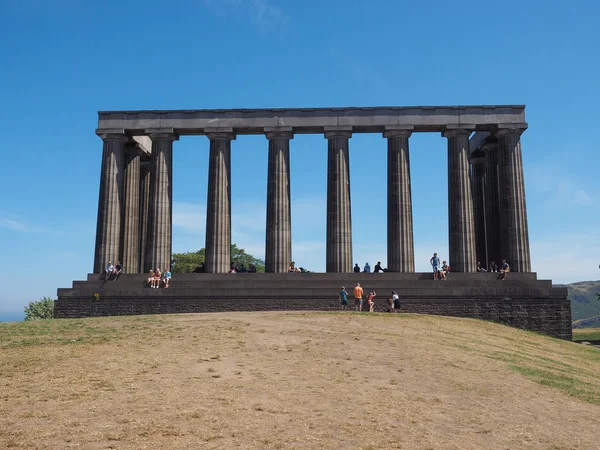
{"x": 521, "y": 301}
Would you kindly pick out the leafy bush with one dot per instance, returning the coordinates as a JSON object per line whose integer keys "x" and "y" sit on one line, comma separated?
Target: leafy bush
{"x": 40, "y": 310}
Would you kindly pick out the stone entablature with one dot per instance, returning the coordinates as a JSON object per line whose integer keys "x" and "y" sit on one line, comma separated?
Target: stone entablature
{"x": 315, "y": 120}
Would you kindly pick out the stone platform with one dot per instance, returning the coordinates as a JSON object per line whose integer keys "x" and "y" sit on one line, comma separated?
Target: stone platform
{"x": 521, "y": 301}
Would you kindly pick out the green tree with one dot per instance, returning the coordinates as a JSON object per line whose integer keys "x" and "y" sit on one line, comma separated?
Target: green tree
{"x": 41, "y": 310}
{"x": 187, "y": 262}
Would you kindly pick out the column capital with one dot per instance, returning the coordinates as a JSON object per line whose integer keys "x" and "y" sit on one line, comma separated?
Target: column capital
{"x": 510, "y": 130}
{"x": 452, "y": 132}
{"x": 162, "y": 134}
{"x": 113, "y": 134}
{"x": 279, "y": 133}
{"x": 338, "y": 132}
{"x": 398, "y": 131}
{"x": 220, "y": 134}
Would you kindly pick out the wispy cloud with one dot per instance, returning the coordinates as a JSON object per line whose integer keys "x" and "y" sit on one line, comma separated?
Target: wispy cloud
{"x": 17, "y": 225}
{"x": 566, "y": 258}
{"x": 263, "y": 14}
{"x": 560, "y": 189}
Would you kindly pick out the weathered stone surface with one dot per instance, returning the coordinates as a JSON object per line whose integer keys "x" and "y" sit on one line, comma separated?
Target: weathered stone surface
{"x": 131, "y": 222}
{"x": 145, "y": 166}
{"x": 218, "y": 214}
{"x": 314, "y": 120}
{"x": 513, "y": 211}
{"x": 520, "y": 301}
{"x": 492, "y": 210}
{"x": 159, "y": 240}
{"x": 278, "y": 248}
{"x": 400, "y": 244}
{"x": 460, "y": 203}
{"x": 478, "y": 184}
{"x": 339, "y": 214}
{"x": 110, "y": 203}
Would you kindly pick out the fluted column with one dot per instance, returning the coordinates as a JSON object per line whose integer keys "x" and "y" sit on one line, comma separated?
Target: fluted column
{"x": 339, "y": 216}
{"x": 278, "y": 248}
{"x": 218, "y": 214}
{"x": 145, "y": 166}
{"x": 159, "y": 243}
{"x": 478, "y": 185}
{"x": 492, "y": 204}
{"x": 131, "y": 221}
{"x": 514, "y": 228}
{"x": 460, "y": 203}
{"x": 110, "y": 203}
{"x": 400, "y": 244}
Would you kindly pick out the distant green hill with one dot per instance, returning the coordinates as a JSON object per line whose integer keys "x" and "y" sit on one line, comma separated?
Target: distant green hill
{"x": 584, "y": 302}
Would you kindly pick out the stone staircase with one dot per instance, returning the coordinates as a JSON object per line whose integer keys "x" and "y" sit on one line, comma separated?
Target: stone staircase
{"x": 522, "y": 300}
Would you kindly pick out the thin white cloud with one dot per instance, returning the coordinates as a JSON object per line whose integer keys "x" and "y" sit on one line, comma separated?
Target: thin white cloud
{"x": 560, "y": 189}
{"x": 263, "y": 14}
{"x": 17, "y": 225}
{"x": 566, "y": 258}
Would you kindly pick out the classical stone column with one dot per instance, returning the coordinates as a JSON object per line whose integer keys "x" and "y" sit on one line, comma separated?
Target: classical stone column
{"x": 145, "y": 166}
{"x": 400, "y": 244}
{"x": 460, "y": 203}
{"x": 131, "y": 216}
{"x": 339, "y": 217}
{"x": 160, "y": 217}
{"x": 218, "y": 214}
{"x": 514, "y": 228}
{"x": 492, "y": 202}
{"x": 278, "y": 249}
{"x": 110, "y": 203}
{"x": 478, "y": 185}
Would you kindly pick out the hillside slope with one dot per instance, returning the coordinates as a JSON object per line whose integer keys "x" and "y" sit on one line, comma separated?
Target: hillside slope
{"x": 293, "y": 380}
{"x": 584, "y": 302}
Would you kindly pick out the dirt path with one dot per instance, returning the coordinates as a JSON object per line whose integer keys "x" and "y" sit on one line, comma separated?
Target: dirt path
{"x": 297, "y": 380}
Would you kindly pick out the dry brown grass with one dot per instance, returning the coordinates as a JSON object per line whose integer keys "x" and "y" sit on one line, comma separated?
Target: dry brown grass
{"x": 293, "y": 380}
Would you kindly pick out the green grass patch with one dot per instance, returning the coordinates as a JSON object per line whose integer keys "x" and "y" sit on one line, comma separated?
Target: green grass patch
{"x": 586, "y": 334}
{"x": 570, "y": 385}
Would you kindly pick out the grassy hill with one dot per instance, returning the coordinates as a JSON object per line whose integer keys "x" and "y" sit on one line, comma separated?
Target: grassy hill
{"x": 293, "y": 380}
{"x": 584, "y": 302}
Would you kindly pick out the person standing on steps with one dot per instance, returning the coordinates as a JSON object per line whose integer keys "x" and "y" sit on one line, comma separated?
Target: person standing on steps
{"x": 356, "y": 268}
{"x": 358, "y": 300}
{"x": 343, "y": 295}
{"x": 367, "y": 268}
{"x": 435, "y": 264}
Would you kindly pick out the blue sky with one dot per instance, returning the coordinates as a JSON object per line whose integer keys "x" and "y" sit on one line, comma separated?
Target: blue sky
{"x": 64, "y": 60}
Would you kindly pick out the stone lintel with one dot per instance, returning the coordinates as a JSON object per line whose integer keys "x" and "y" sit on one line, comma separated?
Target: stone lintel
{"x": 513, "y": 126}
{"x": 143, "y": 143}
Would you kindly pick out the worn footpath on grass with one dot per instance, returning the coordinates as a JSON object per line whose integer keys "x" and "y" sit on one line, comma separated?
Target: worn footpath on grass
{"x": 293, "y": 380}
